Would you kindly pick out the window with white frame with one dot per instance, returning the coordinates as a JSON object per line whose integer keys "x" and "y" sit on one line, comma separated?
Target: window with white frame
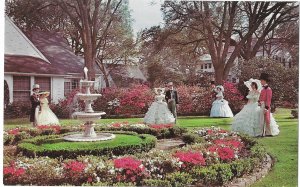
{"x": 69, "y": 85}
{"x": 44, "y": 82}
{"x": 21, "y": 89}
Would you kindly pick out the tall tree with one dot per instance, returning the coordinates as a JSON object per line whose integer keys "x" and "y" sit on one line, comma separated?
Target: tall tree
{"x": 224, "y": 24}
{"x": 88, "y": 20}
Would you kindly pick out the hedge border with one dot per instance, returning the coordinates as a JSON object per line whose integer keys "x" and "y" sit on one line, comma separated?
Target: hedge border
{"x": 29, "y": 147}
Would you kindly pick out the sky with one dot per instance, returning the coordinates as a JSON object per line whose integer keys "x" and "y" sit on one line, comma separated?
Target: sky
{"x": 145, "y": 14}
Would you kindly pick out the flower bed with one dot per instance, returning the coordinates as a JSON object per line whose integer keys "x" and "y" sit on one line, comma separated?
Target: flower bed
{"x": 220, "y": 157}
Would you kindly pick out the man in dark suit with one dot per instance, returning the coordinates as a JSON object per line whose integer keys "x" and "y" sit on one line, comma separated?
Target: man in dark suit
{"x": 172, "y": 99}
{"x": 35, "y": 103}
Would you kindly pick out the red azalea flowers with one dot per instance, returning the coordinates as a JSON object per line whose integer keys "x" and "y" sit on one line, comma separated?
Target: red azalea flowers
{"x": 194, "y": 158}
{"x": 74, "y": 168}
{"x": 14, "y": 131}
{"x": 56, "y": 128}
{"x": 128, "y": 163}
{"x": 132, "y": 169}
{"x": 13, "y": 171}
{"x": 161, "y": 126}
{"x": 231, "y": 143}
{"x": 225, "y": 153}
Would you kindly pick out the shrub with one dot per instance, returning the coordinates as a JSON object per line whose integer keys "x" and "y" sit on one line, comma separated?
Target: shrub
{"x": 206, "y": 175}
{"x": 13, "y": 174}
{"x": 65, "y": 107}
{"x": 59, "y": 147}
{"x": 193, "y": 100}
{"x": 21, "y": 136}
{"x": 191, "y": 138}
{"x": 190, "y": 158}
{"x": 294, "y": 113}
{"x": 17, "y": 110}
{"x": 159, "y": 133}
{"x": 180, "y": 178}
{"x": 8, "y": 139}
{"x": 283, "y": 82}
{"x": 133, "y": 100}
{"x": 237, "y": 168}
{"x": 224, "y": 172}
{"x": 233, "y": 96}
{"x": 129, "y": 169}
{"x": 258, "y": 151}
{"x": 157, "y": 182}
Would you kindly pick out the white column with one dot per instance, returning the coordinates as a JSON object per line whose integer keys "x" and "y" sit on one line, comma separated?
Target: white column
{"x": 57, "y": 87}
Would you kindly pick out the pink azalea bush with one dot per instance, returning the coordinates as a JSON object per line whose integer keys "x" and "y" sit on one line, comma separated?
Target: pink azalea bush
{"x": 233, "y": 96}
{"x": 12, "y": 173}
{"x": 14, "y": 131}
{"x": 161, "y": 126}
{"x": 56, "y": 128}
{"x": 129, "y": 169}
{"x": 224, "y": 153}
{"x": 133, "y": 100}
{"x": 190, "y": 158}
{"x": 193, "y": 100}
{"x": 74, "y": 168}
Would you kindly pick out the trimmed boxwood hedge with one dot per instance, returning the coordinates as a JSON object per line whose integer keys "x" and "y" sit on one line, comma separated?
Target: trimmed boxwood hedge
{"x": 172, "y": 132}
{"x": 54, "y": 146}
{"x": 25, "y": 133}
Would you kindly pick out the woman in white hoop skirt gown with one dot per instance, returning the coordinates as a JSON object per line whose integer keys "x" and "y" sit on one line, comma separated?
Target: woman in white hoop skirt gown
{"x": 45, "y": 116}
{"x": 158, "y": 112}
{"x": 247, "y": 121}
{"x": 220, "y": 107}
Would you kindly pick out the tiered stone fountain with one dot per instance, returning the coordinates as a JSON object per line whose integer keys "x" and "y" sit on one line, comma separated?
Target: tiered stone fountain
{"x": 89, "y": 115}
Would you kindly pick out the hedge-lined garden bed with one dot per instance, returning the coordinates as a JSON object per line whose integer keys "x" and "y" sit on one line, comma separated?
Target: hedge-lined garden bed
{"x": 213, "y": 157}
{"x": 14, "y": 136}
{"x": 54, "y": 146}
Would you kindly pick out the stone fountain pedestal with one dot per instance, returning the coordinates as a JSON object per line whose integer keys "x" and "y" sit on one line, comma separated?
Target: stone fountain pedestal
{"x": 88, "y": 116}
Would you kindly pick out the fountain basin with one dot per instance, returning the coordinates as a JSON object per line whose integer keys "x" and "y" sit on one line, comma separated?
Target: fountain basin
{"x": 83, "y": 138}
{"x": 86, "y": 82}
{"x": 88, "y": 116}
{"x": 88, "y": 97}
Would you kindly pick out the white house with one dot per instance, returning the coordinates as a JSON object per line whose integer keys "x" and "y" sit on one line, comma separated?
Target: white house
{"x": 43, "y": 58}
{"x": 207, "y": 66}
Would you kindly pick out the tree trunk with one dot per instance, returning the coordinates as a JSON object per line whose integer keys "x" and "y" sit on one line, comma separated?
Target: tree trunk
{"x": 219, "y": 72}
{"x": 105, "y": 76}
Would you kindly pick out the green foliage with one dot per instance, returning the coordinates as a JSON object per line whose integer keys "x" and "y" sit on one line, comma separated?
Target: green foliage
{"x": 159, "y": 133}
{"x": 224, "y": 172}
{"x": 157, "y": 182}
{"x": 206, "y": 175}
{"x": 180, "y": 179}
{"x": 20, "y": 136}
{"x": 190, "y": 138}
{"x": 8, "y": 139}
{"x": 258, "y": 151}
{"x": 294, "y": 113}
{"x": 237, "y": 168}
{"x": 54, "y": 146}
{"x": 284, "y": 81}
{"x": 17, "y": 110}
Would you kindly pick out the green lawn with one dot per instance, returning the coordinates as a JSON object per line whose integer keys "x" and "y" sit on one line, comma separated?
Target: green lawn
{"x": 283, "y": 147}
